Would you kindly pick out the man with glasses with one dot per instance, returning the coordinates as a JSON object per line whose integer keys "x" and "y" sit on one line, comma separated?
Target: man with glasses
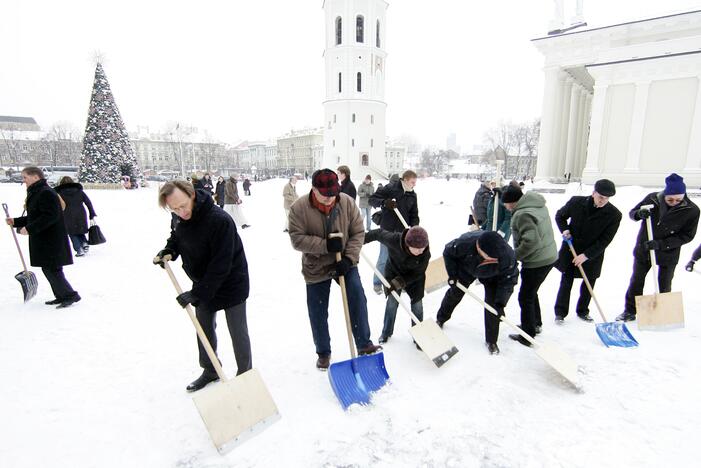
{"x": 674, "y": 218}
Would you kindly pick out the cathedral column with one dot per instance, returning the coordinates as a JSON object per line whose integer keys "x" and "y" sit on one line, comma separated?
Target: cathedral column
{"x": 693, "y": 154}
{"x": 635, "y": 139}
{"x": 580, "y": 132}
{"x": 564, "y": 126}
{"x": 549, "y": 122}
{"x": 573, "y": 128}
{"x": 586, "y": 117}
{"x": 598, "y": 107}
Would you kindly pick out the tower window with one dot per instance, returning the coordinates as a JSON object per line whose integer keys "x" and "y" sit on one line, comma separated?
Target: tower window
{"x": 334, "y": 143}
{"x": 334, "y": 118}
{"x": 377, "y": 34}
{"x": 339, "y": 82}
{"x": 372, "y": 143}
{"x": 353, "y": 118}
{"x": 359, "y": 29}
{"x": 339, "y": 31}
{"x": 353, "y": 142}
{"x": 365, "y": 160}
{"x": 359, "y": 82}
{"x": 372, "y": 119}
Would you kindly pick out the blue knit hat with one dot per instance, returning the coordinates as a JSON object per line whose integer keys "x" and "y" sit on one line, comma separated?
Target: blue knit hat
{"x": 674, "y": 185}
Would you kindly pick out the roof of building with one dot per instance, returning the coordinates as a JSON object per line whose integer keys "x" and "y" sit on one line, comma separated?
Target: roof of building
{"x": 13, "y": 119}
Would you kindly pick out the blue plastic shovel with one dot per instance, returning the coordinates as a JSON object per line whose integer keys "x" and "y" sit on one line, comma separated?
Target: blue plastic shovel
{"x": 353, "y": 380}
{"x": 610, "y": 333}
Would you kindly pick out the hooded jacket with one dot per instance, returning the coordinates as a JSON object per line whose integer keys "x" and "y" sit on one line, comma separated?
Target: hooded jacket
{"x": 74, "y": 214}
{"x": 365, "y": 191}
{"x": 481, "y": 202}
{"x": 534, "y": 241}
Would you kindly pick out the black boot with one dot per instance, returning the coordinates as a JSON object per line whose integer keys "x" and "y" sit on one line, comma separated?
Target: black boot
{"x": 202, "y": 381}
{"x": 520, "y": 339}
{"x": 625, "y": 317}
{"x": 585, "y": 317}
{"x": 492, "y": 348}
{"x": 383, "y": 339}
{"x": 68, "y": 302}
{"x": 323, "y": 362}
{"x": 53, "y": 302}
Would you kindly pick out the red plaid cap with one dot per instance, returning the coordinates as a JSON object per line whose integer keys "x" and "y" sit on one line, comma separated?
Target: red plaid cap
{"x": 326, "y": 182}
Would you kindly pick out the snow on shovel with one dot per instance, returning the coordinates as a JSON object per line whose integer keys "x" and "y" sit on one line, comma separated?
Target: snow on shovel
{"x": 232, "y": 410}
{"x": 428, "y": 335}
{"x": 548, "y": 352}
{"x": 659, "y": 311}
{"x": 27, "y": 279}
{"x": 354, "y": 379}
{"x": 610, "y": 333}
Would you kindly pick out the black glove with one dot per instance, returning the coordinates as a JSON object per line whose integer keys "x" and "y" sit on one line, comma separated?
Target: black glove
{"x": 342, "y": 267}
{"x": 187, "y": 298}
{"x": 690, "y": 266}
{"x": 159, "y": 257}
{"x": 334, "y": 244}
{"x": 643, "y": 213}
{"x": 397, "y": 284}
{"x": 497, "y": 191}
{"x": 390, "y": 204}
{"x": 652, "y": 245}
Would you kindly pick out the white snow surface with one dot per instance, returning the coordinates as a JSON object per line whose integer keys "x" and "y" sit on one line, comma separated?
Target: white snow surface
{"x": 102, "y": 383}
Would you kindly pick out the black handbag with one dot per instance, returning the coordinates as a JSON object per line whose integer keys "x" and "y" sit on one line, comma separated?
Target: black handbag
{"x": 377, "y": 217}
{"x": 95, "y": 236}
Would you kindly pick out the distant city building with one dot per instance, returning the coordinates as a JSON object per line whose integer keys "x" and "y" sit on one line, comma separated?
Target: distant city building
{"x": 23, "y": 142}
{"x": 300, "y": 151}
{"x": 395, "y": 155}
{"x": 18, "y": 123}
{"x": 451, "y": 143}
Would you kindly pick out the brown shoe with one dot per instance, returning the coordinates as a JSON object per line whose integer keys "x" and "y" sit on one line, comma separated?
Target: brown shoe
{"x": 323, "y": 362}
{"x": 369, "y": 349}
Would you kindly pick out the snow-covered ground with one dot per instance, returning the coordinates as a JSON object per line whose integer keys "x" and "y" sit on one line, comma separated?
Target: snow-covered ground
{"x": 102, "y": 384}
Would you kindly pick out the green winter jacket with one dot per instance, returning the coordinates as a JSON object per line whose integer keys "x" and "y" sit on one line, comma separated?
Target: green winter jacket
{"x": 532, "y": 228}
{"x": 503, "y": 219}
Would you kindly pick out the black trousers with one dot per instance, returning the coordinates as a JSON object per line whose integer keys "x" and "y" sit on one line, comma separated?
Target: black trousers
{"x": 454, "y": 295}
{"x": 59, "y": 284}
{"x": 637, "y": 281}
{"x": 531, "y": 279}
{"x": 562, "y": 304}
{"x": 238, "y": 329}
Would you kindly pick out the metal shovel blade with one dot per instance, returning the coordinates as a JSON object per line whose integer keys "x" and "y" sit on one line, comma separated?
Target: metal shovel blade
{"x": 354, "y": 379}
{"x": 433, "y": 342}
{"x": 236, "y": 409}
{"x": 559, "y": 360}
{"x": 615, "y": 334}
{"x": 28, "y": 281}
{"x": 661, "y": 311}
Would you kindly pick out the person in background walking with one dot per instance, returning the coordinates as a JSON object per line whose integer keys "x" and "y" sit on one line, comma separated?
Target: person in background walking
{"x": 74, "y": 214}
{"x": 674, "y": 221}
{"x": 289, "y": 196}
{"x": 365, "y": 191}
{"x": 398, "y": 194}
{"x": 534, "y": 244}
{"x": 694, "y": 258}
{"x": 480, "y": 203}
{"x": 591, "y": 223}
{"x": 232, "y": 203}
{"x": 247, "y": 187}
{"x": 220, "y": 192}
{"x": 347, "y": 185}
{"x": 503, "y": 215}
{"x": 206, "y": 184}
{"x": 48, "y": 240}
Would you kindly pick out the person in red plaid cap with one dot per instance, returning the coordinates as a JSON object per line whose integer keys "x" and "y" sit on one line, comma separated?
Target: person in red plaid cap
{"x": 311, "y": 221}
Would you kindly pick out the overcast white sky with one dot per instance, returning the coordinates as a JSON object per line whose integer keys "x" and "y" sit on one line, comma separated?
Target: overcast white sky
{"x": 254, "y": 69}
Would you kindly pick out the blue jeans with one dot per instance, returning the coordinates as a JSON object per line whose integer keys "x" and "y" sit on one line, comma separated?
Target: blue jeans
{"x": 318, "y": 306}
{"x": 367, "y": 214}
{"x": 78, "y": 242}
{"x": 391, "y": 314}
{"x": 381, "y": 261}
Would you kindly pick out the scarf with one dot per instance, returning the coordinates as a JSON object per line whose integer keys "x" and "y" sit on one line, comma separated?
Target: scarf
{"x": 326, "y": 209}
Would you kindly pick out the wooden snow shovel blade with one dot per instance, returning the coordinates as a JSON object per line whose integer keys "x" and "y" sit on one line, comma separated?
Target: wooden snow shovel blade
{"x": 428, "y": 335}
{"x": 660, "y": 311}
{"x": 27, "y": 279}
{"x": 548, "y": 352}
{"x": 610, "y": 333}
{"x": 436, "y": 275}
{"x": 354, "y": 379}
{"x": 232, "y": 410}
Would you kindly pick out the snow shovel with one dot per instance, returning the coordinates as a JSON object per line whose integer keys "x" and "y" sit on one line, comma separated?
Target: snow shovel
{"x": 660, "y": 311}
{"x": 436, "y": 275}
{"x": 27, "y": 279}
{"x": 610, "y": 333}
{"x": 548, "y": 352}
{"x": 427, "y": 334}
{"x": 232, "y": 410}
{"x": 354, "y": 379}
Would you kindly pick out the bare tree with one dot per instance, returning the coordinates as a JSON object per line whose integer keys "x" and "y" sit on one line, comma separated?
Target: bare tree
{"x": 519, "y": 142}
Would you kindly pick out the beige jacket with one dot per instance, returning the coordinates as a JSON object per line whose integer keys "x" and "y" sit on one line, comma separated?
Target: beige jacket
{"x": 289, "y": 194}
{"x": 308, "y": 235}
{"x": 231, "y": 193}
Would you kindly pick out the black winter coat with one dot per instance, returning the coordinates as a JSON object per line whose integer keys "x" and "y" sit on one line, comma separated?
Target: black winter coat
{"x": 348, "y": 187}
{"x": 221, "y": 192}
{"x": 674, "y": 227}
{"x": 74, "y": 214}
{"x": 481, "y": 202}
{"x": 207, "y": 185}
{"x": 48, "y": 240}
{"x": 463, "y": 262}
{"x": 592, "y": 230}
{"x": 406, "y": 203}
{"x": 212, "y": 254}
{"x": 401, "y": 262}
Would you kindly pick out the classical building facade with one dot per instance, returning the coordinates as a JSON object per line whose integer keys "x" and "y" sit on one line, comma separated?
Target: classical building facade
{"x": 300, "y": 151}
{"x": 623, "y": 101}
{"x": 354, "y": 108}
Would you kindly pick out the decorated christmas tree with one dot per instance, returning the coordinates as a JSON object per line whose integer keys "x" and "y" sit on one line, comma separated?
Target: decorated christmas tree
{"x": 107, "y": 153}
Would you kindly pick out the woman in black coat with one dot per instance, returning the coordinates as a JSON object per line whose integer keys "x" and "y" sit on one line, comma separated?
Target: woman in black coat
{"x": 220, "y": 192}
{"x": 74, "y": 213}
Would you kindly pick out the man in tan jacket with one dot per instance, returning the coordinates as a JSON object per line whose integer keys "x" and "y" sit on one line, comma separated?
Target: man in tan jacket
{"x": 289, "y": 195}
{"x": 311, "y": 221}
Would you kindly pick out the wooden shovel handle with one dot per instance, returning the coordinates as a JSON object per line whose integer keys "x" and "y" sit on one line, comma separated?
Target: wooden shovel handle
{"x": 586, "y": 281}
{"x": 401, "y": 218}
{"x": 14, "y": 236}
{"x": 653, "y": 256}
{"x": 344, "y": 295}
{"x": 200, "y": 333}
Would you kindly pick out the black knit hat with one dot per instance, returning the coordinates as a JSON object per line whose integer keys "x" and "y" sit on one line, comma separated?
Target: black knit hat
{"x": 491, "y": 243}
{"x": 605, "y": 188}
{"x": 326, "y": 182}
{"x": 416, "y": 237}
{"x": 511, "y": 194}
